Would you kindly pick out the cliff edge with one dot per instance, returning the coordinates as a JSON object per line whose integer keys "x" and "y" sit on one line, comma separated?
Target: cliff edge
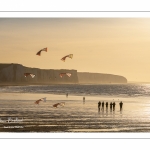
{"x": 99, "y": 78}
{"x": 13, "y": 74}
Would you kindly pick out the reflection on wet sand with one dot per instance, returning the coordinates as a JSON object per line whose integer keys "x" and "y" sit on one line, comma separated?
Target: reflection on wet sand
{"x": 74, "y": 116}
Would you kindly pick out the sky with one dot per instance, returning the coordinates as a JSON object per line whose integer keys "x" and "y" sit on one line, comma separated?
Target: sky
{"x": 119, "y": 46}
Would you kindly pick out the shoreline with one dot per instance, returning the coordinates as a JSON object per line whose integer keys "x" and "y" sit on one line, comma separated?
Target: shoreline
{"x": 56, "y": 96}
{"x": 74, "y": 116}
{"x": 53, "y": 84}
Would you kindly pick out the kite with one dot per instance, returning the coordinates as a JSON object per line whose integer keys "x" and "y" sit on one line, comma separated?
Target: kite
{"x": 61, "y": 104}
{"x": 69, "y": 56}
{"x": 38, "y": 101}
{"x": 29, "y": 74}
{"x": 62, "y": 74}
{"x": 42, "y": 99}
{"x": 39, "y": 52}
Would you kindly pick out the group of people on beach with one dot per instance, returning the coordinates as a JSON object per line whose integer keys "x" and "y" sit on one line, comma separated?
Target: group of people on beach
{"x": 112, "y": 106}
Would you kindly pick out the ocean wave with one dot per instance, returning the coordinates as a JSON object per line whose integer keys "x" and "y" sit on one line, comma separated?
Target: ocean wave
{"x": 124, "y": 90}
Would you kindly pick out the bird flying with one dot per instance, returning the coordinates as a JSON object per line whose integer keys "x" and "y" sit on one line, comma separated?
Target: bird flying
{"x": 39, "y": 52}
{"x": 38, "y": 101}
{"x": 62, "y": 74}
{"x": 57, "y": 104}
{"x": 69, "y": 56}
{"x": 29, "y": 74}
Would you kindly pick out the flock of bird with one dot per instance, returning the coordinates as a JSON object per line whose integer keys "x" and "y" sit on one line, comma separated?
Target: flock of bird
{"x": 61, "y": 75}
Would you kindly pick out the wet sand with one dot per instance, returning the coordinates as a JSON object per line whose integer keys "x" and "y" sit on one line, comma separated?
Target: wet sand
{"x": 18, "y": 113}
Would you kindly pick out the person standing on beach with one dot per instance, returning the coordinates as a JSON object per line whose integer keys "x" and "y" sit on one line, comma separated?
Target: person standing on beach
{"x": 66, "y": 94}
{"x": 83, "y": 100}
{"x": 106, "y": 105}
{"x": 99, "y": 105}
{"x": 121, "y": 104}
{"x": 110, "y": 106}
{"x": 102, "y": 105}
{"x": 114, "y": 105}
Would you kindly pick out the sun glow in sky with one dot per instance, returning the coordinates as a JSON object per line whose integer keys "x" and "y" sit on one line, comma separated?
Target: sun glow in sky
{"x": 119, "y": 46}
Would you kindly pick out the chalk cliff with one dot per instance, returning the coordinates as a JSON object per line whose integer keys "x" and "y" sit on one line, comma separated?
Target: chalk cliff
{"x": 99, "y": 78}
{"x": 13, "y": 74}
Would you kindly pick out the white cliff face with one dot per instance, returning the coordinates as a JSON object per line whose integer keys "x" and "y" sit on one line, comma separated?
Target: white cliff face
{"x": 6, "y": 73}
{"x": 14, "y": 73}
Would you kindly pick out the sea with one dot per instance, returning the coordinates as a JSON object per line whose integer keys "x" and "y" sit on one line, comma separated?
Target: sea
{"x": 19, "y": 113}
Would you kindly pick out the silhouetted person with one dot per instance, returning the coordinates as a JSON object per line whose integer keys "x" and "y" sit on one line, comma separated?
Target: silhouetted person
{"x": 83, "y": 100}
{"x": 66, "y": 94}
{"x": 111, "y": 106}
{"x": 121, "y": 104}
{"x": 102, "y": 105}
{"x": 106, "y": 105}
{"x": 114, "y": 105}
{"x": 99, "y": 105}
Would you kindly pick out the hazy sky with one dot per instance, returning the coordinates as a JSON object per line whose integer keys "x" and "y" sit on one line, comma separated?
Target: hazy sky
{"x": 119, "y": 46}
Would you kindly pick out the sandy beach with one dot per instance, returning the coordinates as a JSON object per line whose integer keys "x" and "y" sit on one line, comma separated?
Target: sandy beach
{"x": 18, "y": 113}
